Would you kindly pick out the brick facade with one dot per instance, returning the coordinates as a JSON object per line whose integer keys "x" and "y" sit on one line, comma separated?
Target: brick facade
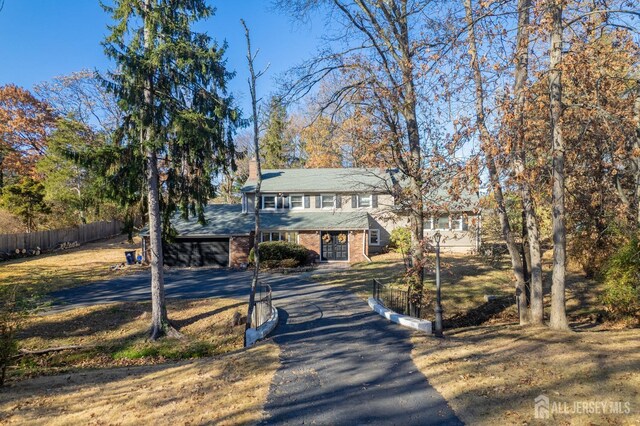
{"x": 239, "y": 248}
{"x": 357, "y": 246}
{"x": 311, "y": 240}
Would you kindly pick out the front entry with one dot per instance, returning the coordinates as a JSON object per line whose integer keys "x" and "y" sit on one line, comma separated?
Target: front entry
{"x": 335, "y": 245}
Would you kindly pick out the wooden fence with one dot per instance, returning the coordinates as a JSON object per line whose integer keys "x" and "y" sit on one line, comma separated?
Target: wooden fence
{"x": 49, "y": 240}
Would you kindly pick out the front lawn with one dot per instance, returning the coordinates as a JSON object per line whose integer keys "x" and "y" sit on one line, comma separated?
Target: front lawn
{"x": 227, "y": 390}
{"x": 70, "y": 268}
{"x": 116, "y": 334}
{"x": 113, "y": 375}
{"x": 491, "y": 375}
{"x": 466, "y": 280}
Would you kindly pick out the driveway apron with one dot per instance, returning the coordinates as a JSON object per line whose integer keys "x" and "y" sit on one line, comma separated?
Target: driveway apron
{"x": 344, "y": 365}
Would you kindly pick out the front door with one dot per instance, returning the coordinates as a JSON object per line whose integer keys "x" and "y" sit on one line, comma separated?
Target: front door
{"x": 335, "y": 245}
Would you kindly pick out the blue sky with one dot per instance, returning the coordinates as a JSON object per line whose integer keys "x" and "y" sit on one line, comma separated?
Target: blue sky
{"x": 41, "y": 39}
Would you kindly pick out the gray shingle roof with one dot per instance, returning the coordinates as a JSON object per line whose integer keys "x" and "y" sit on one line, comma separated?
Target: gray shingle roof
{"x": 319, "y": 180}
{"x": 325, "y": 221}
{"x": 221, "y": 219}
{"x": 228, "y": 219}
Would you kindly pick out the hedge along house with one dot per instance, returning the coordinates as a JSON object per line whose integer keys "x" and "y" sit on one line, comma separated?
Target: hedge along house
{"x": 339, "y": 215}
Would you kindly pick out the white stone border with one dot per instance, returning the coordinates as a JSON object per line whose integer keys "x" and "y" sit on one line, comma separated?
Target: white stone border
{"x": 404, "y": 320}
{"x": 252, "y": 335}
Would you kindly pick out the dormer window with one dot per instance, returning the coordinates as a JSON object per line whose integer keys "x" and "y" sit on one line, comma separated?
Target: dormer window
{"x": 364, "y": 200}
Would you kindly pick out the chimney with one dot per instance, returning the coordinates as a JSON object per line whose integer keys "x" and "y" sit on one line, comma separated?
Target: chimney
{"x": 253, "y": 169}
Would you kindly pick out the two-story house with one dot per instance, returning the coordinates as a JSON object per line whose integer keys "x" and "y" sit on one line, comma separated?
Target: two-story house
{"x": 343, "y": 215}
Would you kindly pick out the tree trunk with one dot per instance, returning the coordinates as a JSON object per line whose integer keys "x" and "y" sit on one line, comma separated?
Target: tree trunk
{"x": 160, "y": 325}
{"x": 159, "y": 321}
{"x": 558, "y": 308}
{"x": 531, "y": 220}
{"x": 256, "y": 209}
{"x": 494, "y": 178}
{"x": 636, "y": 149}
{"x": 1, "y": 173}
{"x": 409, "y": 111}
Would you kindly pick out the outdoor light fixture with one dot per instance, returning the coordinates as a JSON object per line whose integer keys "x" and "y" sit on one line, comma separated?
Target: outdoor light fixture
{"x": 438, "y": 325}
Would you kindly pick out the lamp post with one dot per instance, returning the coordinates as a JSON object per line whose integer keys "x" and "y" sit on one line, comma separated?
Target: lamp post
{"x": 438, "y": 328}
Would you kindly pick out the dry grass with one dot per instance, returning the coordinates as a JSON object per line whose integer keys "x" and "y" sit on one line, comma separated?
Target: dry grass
{"x": 116, "y": 335}
{"x": 358, "y": 279}
{"x": 227, "y": 390}
{"x": 491, "y": 375}
{"x": 466, "y": 279}
{"x": 63, "y": 269}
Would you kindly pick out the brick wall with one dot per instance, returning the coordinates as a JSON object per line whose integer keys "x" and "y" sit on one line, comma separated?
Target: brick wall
{"x": 311, "y": 240}
{"x": 356, "y": 242}
{"x": 239, "y": 248}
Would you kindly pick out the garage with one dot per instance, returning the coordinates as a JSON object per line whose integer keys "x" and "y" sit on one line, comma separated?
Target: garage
{"x": 194, "y": 252}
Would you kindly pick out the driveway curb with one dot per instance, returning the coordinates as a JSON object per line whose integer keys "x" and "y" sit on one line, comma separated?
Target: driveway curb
{"x": 403, "y": 320}
{"x": 255, "y": 334}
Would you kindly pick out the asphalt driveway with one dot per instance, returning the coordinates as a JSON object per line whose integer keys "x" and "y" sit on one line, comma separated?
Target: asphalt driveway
{"x": 341, "y": 363}
{"x": 179, "y": 283}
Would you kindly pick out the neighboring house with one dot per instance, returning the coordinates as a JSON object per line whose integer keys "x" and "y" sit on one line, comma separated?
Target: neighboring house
{"x": 342, "y": 215}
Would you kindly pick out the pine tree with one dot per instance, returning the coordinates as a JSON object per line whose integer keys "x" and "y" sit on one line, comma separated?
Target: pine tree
{"x": 171, "y": 84}
{"x": 276, "y": 145}
{"x": 26, "y": 200}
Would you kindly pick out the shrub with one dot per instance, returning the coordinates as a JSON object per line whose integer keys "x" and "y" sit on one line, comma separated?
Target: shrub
{"x": 622, "y": 281}
{"x": 274, "y": 254}
{"x": 289, "y": 263}
{"x": 400, "y": 240}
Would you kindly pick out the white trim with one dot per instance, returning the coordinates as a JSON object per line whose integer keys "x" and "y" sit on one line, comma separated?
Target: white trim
{"x": 291, "y": 205}
{"x": 377, "y": 230}
{"x": 364, "y": 247}
{"x": 275, "y": 201}
{"x": 322, "y": 201}
{"x": 459, "y": 227}
{"x": 369, "y": 196}
{"x": 282, "y": 235}
{"x": 436, "y": 223}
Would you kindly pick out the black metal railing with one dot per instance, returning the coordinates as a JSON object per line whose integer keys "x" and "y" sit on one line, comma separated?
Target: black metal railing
{"x": 262, "y": 306}
{"x": 396, "y": 299}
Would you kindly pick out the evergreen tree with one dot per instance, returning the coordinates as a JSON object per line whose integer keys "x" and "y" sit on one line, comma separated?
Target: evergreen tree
{"x": 26, "y": 200}
{"x": 276, "y": 146}
{"x": 170, "y": 83}
{"x": 68, "y": 185}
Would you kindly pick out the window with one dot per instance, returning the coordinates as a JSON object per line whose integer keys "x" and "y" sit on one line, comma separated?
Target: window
{"x": 374, "y": 237}
{"x": 296, "y": 201}
{"x": 269, "y": 202}
{"x": 327, "y": 201}
{"x": 442, "y": 223}
{"x": 364, "y": 200}
{"x": 291, "y": 237}
{"x": 456, "y": 223}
